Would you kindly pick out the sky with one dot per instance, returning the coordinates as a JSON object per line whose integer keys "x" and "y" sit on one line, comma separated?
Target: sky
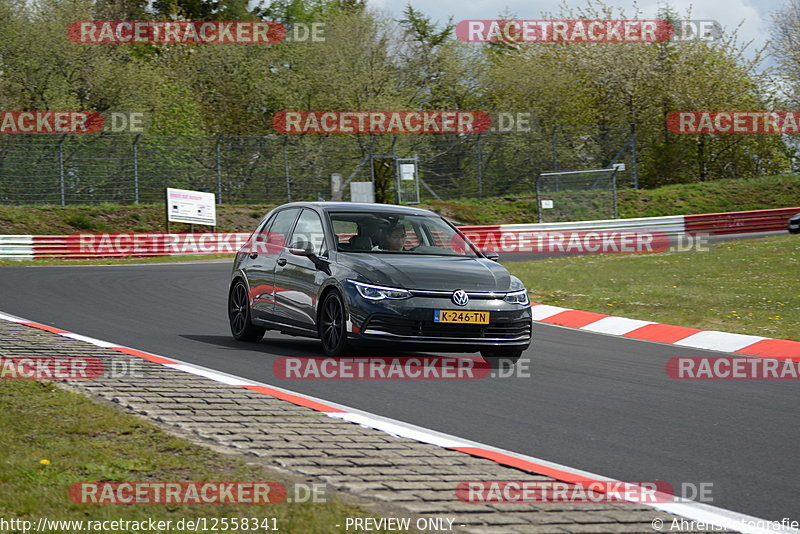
{"x": 755, "y": 16}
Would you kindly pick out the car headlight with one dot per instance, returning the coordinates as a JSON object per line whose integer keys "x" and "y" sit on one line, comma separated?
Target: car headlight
{"x": 517, "y": 297}
{"x": 373, "y": 292}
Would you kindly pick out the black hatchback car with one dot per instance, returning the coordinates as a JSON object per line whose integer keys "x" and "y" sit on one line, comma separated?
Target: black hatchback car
{"x": 361, "y": 274}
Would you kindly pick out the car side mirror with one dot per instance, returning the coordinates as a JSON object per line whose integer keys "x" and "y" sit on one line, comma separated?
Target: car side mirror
{"x": 301, "y": 247}
{"x": 491, "y": 255}
{"x": 306, "y": 251}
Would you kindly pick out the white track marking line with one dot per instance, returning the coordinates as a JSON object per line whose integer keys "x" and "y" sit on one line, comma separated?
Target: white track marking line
{"x": 12, "y": 318}
{"x": 210, "y": 373}
{"x": 87, "y": 339}
{"x": 399, "y": 430}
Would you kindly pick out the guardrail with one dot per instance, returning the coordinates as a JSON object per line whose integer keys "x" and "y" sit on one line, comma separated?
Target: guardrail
{"x": 509, "y": 238}
{"x": 16, "y": 247}
{"x": 120, "y": 245}
{"x": 612, "y": 235}
{"x": 736, "y": 222}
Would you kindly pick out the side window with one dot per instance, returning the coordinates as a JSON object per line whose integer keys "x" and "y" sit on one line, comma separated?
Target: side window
{"x": 277, "y": 232}
{"x": 264, "y": 225}
{"x": 257, "y": 238}
{"x": 344, "y": 230}
{"x": 309, "y": 230}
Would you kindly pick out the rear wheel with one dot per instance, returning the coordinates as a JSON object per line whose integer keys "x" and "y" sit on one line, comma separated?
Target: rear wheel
{"x": 239, "y": 315}
{"x": 496, "y": 357}
{"x": 332, "y": 328}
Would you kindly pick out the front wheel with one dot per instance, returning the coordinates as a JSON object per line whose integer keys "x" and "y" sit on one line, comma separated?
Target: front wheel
{"x": 332, "y": 327}
{"x": 495, "y": 357}
{"x": 239, "y": 315}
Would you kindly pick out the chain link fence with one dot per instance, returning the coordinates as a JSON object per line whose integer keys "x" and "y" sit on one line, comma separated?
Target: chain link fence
{"x": 577, "y": 195}
{"x": 272, "y": 169}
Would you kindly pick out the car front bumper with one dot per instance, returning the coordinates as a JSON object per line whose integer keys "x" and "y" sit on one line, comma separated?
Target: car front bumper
{"x": 411, "y": 322}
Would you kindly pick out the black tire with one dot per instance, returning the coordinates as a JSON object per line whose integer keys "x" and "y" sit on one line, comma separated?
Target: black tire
{"x": 332, "y": 325}
{"x": 239, "y": 315}
{"x": 496, "y": 357}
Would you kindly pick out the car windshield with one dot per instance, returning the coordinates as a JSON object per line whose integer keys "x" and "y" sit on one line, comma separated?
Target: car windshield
{"x": 398, "y": 233}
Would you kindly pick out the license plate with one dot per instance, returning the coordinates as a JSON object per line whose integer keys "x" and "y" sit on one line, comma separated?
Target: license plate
{"x": 463, "y": 317}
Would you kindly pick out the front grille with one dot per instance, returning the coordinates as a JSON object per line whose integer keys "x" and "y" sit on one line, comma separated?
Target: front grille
{"x": 400, "y": 326}
{"x": 478, "y": 295}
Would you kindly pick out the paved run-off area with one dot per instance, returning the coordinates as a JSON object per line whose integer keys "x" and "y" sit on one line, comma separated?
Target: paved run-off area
{"x": 410, "y": 478}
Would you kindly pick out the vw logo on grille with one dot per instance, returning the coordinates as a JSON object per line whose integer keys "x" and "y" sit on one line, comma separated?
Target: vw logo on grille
{"x": 460, "y": 297}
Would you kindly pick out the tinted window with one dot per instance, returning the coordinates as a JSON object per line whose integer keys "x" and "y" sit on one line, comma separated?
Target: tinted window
{"x": 344, "y": 230}
{"x": 309, "y": 230}
{"x": 277, "y": 232}
{"x": 398, "y": 233}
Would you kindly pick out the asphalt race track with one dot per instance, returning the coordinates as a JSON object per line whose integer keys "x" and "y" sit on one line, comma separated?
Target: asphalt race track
{"x": 594, "y": 402}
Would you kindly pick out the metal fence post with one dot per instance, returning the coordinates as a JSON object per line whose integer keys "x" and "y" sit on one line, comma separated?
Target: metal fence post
{"x": 286, "y": 168}
{"x": 614, "y": 192}
{"x": 479, "y": 163}
{"x": 633, "y": 157}
{"x": 538, "y": 199}
{"x": 371, "y": 160}
{"x": 61, "y": 169}
{"x": 136, "y": 168}
{"x": 218, "y": 165}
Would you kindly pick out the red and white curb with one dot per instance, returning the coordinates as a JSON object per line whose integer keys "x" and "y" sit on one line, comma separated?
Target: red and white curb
{"x": 700, "y": 512}
{"x": 762, "y": 347}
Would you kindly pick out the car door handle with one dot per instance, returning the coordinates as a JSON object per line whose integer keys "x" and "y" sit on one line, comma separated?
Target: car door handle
{"x": 281, "y": 261}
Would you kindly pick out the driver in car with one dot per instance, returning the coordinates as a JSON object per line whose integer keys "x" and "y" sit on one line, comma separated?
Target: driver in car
{"x": 394, "y": 238}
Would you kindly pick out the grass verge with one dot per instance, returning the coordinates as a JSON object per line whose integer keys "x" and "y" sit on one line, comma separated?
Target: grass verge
{"x": 749, "y": 286}
{"x": 86, "y": 441}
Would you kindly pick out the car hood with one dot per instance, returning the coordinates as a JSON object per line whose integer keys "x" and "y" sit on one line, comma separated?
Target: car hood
{"x": 443, "y": 273}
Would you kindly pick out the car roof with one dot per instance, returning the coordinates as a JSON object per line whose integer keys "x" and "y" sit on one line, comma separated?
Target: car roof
{"x": 362, "y": 207}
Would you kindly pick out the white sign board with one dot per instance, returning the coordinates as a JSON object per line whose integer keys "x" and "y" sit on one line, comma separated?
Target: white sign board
{"x": 547, "y": 204}
{"x": 408, "y": 171}
{"x": 362, "y": 192}
{"x": 620, "y": 167}
{"x": 193, "y": 207}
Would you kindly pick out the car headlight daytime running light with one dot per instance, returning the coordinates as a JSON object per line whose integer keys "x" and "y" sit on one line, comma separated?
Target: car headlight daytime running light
{"x": 517, "y": 297}
{"x": 373, "y": 292}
